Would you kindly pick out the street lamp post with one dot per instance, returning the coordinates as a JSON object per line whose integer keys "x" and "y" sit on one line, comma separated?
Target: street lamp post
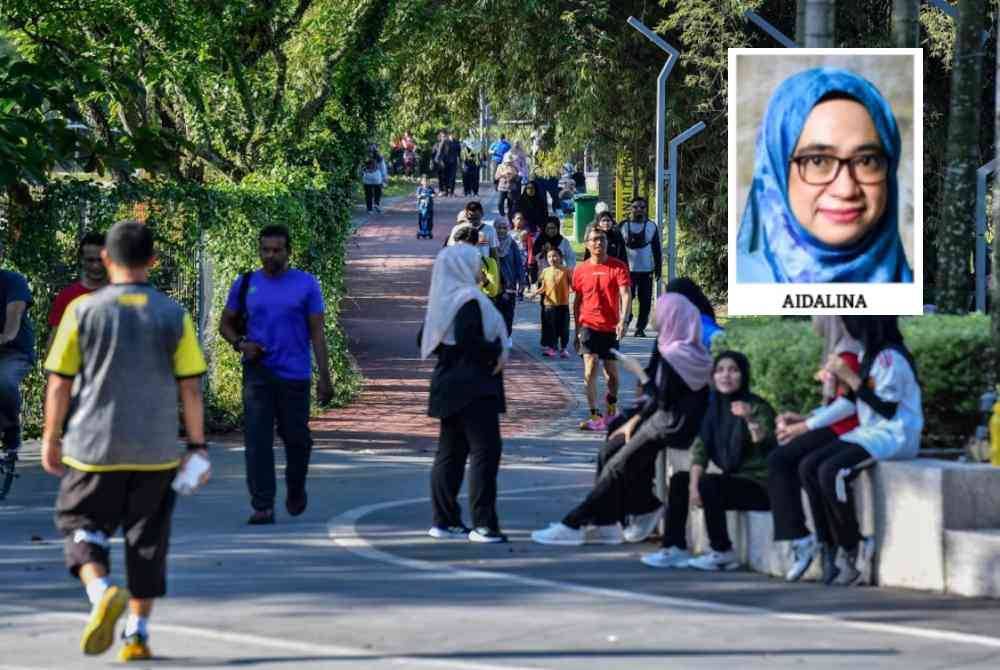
{"x": 661, "y": 109}
{"x": 672, "y": 230}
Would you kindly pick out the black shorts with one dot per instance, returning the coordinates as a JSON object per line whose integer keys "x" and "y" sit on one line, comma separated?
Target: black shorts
{"x": 598, "y": 343}
{"x": 142, "y": 503}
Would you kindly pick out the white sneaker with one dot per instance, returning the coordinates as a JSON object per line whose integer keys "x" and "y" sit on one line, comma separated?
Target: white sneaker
{"x": 642, "y": 526}
{"x": 510, "y": 342}
{"x": 716, "y": 560}
{"x": 610, "y": 534}
{"x": 559, "y": 534}
{"x": 803, "y": 553}
{"x": 671, "y": 557}
{"x": 450, "y": 533}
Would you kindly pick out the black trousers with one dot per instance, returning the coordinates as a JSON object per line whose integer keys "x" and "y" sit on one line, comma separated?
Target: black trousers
{"x": 504, "y": 202}
{"x": 141, "y": 503}
{"x": 642, "y": 291}
{"x": 506, "y": 303}
{"x": 268, "y": 402}
{"x": 474, "y": 432}
{"x": 811, "y": 461}
{"x": 450, "y": 171}
{"x": 373, "y": 196}
{"x": 626, "y": 475}
{"x": 555, "y": 326}
{"x": 719, "y": 493}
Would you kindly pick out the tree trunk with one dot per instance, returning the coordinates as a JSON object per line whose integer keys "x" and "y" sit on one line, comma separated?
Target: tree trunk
{"x": 820, "y": 21}
{"x": 906, "y": 23}
{"x": 957, "y": 235}
{"x": 800, "y": 23}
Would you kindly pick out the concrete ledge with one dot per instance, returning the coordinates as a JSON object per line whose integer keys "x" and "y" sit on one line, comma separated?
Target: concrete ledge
{"x": 936, "y": 525}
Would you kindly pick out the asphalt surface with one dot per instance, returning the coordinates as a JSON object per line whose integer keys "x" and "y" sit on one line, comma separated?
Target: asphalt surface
{"x": 356, "y": 583}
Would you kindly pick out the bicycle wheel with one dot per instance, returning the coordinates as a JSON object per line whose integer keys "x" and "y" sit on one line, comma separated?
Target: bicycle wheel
{"x": 7, "y": 473}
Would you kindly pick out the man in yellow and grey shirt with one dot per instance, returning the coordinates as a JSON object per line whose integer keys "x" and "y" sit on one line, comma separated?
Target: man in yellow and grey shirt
{"x": 132, "y": 348}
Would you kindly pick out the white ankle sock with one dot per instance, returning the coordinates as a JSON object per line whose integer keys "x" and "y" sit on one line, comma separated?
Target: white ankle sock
{"x": 96, "y": 589}
{"x": 136, "y": 624}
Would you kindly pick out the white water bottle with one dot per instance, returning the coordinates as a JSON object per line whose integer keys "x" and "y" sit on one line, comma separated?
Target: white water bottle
{"x": 188, "y": 477}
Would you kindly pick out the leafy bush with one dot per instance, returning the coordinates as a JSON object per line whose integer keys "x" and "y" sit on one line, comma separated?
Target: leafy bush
{"x": 206, "y": 236}
{"x": 952, "y": 355}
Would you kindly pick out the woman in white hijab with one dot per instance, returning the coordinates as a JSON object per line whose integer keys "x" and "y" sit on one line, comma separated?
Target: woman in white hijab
{"x": 469, "y": 336}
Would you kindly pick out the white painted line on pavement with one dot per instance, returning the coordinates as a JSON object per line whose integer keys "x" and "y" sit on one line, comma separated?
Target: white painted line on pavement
{"x": 428, "y": 660}
{"x": 344, "y": 532}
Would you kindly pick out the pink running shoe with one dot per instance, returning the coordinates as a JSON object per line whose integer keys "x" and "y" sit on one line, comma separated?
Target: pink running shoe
{"x": 549, "y": 352}
{"x": 563, "y": 354}
{"x": 598, "y": 425}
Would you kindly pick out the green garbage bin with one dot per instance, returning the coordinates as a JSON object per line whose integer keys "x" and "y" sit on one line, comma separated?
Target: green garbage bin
{"x": 583, "y": 213}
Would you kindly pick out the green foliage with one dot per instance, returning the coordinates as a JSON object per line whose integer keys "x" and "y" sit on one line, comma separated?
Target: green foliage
{"x": 219, "y": 221}
{"x": 950, "y": 353}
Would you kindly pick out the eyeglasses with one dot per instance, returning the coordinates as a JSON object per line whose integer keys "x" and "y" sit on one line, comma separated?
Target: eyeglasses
{"x": 822, "y": 169}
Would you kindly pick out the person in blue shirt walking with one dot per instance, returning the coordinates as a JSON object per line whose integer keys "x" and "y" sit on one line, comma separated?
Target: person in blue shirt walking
{"x": 283, "y": 310}
{"x": 497, "y": 151}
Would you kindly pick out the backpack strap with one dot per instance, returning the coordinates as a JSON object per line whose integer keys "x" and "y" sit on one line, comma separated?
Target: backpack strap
{"x": 242, "y": 315}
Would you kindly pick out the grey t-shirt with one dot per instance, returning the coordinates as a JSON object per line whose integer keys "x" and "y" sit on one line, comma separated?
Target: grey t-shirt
{"x": 128, "y": 343}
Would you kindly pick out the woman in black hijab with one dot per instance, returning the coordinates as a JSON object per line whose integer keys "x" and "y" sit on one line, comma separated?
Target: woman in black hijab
{"x": 533, "y": 205}
{"x": 736, "y": 434}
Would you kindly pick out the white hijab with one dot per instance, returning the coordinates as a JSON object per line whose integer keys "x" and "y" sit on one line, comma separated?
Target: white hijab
{"x": 453, "y": 283}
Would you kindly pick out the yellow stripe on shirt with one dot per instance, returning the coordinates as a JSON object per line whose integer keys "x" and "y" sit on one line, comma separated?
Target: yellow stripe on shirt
{"x": 119, "y": 467}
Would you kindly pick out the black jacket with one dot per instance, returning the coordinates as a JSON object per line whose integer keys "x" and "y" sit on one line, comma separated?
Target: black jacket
{"x": 464, "y": 371}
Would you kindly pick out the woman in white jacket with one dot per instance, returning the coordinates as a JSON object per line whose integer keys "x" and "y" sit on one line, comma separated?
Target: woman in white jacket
{"x": 886, "y": 395}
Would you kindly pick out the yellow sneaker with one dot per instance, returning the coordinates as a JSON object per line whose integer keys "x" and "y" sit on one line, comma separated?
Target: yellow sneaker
{"x": 100, "y": 630}
{"x": 136, "y": 649}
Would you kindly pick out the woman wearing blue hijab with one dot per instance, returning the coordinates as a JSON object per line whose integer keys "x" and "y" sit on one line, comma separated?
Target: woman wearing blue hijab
{"x": 823, "y": 205}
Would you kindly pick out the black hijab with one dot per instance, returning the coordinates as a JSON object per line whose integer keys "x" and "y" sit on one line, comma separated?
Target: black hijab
{"x": 722, "y": 432}
{"x": 690, "y": 290}
{"x": 539, "y": 247}
{"x": 534, "y": 207}
{"x": 877, "y": 333}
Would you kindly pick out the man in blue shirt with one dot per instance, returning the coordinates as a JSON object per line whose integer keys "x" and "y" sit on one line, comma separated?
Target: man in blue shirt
{"x": 282, "y": 309}
{"x": 17, "y": 353}
{"x": 497, "y": 150}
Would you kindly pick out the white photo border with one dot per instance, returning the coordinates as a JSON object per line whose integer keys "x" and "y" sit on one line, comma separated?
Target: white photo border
{"x": 752, "y": 299}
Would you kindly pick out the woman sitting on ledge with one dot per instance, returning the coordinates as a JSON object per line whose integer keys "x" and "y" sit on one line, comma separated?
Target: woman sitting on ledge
{"x": 736, "y": 434}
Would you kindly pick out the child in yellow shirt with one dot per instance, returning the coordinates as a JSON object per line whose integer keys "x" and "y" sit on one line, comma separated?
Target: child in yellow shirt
{"x": 554, "y": 286}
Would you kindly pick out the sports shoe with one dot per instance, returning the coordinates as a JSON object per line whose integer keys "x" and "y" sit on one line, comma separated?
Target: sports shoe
{"x": 559, "y": 534}
{"x": 586, "y": 423}
{"x": 857, "y": 565}
{"x": 598, "y": 424}
{"x": 486, "y": 535}
{"x": 136, "y": 649}
{"x": 510, "y": 342}
{"x": 378, "y": 210}
{"x": 671, "y": 557}
{"x": 610, "y": 534}
{"x": 296, "y": 505}
{"x": 828, "y": 559}
{"x": 641, "y": 526}
{"x": 261, "y": 517}
{"x": 715, "y": 560}
{"x": 803, "y": 553}
{"x": 563, "y": 354}
{"x": 99, "y": 632}
{"x": 549, "y": 352}
{"x": 449, "y": 533}
{"x": 639, "y": 333}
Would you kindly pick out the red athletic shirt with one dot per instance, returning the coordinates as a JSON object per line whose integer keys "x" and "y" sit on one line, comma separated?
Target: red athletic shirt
{"x": 851, "y": 422}
{"x": 598, "y": 284}
{"x": 64, "y": 298}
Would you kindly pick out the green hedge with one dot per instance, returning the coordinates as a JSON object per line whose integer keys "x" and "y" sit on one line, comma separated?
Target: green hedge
{"x": 952, "y": 353}
{"x": 207, "y": 232}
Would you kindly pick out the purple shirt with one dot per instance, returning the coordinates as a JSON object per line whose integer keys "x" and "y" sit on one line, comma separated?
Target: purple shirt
{"x": 278, "y": 310}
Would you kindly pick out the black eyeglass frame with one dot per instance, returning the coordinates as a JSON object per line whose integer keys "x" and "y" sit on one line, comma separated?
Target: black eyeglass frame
{"x": 798, "y": 160}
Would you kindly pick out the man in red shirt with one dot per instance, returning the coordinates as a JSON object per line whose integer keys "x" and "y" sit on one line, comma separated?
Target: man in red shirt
{"x": 601, "y": 300}
{"x": 92, "y": 277}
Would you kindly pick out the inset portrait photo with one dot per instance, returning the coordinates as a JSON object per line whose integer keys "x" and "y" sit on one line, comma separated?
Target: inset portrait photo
{"x": 825, "y": 181}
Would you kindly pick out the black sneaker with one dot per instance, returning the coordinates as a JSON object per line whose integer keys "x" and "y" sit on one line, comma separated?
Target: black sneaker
{"x": 486, "y": 536}
{"x": 449, "y": 533}
{"x": 639, "y": 333}
{"x": 296, "y": 505}
{"x": 261, "y": 517}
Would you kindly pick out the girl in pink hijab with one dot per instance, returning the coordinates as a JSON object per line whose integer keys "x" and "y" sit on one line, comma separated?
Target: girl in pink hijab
{"x": 668, "y": 414}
